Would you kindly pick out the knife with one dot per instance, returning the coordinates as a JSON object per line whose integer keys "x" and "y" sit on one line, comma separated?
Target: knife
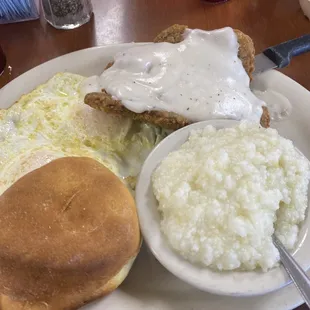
{"x": 279, "y": 56}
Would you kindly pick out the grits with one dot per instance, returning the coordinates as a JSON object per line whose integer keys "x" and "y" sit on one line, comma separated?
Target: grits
{"x": 224, "y": 192}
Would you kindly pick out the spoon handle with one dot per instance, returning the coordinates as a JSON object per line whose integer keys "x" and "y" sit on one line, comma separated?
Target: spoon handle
{"x": 296, "y": 273}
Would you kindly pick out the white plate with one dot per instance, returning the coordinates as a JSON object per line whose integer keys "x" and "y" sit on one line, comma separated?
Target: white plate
{"x": 233, "y": 283}
{"x": 150, "y": 286}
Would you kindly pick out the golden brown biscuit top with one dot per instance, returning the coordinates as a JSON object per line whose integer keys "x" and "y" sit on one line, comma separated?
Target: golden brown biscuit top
{"x": 72, "y": 216}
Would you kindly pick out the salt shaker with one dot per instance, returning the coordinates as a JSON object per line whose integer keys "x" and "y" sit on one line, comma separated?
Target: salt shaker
{"x": 67, "y": 14}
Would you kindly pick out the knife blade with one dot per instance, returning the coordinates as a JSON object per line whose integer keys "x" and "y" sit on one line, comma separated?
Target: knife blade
{"x": 279, "y": 56}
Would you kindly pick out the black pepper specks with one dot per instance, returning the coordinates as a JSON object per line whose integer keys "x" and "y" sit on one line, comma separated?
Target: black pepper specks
{"x": 62, "y": 8}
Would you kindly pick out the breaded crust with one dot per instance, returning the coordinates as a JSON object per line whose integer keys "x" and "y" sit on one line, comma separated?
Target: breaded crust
{"x": 174, "y": 34}
{"x": 104, "y": 102}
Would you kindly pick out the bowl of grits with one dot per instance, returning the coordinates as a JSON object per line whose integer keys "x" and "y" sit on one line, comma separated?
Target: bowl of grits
{"x": 210, "y": 197}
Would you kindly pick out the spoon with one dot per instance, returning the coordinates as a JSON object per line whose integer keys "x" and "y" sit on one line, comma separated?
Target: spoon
{"x": 299, "y": 277}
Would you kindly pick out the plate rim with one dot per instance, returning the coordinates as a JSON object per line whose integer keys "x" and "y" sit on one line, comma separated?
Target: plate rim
{"x": 294, "y": 299}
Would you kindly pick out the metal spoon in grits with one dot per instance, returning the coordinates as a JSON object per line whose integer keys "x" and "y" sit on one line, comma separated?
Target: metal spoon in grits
{"x": 299, "y": 277}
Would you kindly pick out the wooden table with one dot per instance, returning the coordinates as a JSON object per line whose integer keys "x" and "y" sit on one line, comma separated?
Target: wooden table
{"x": 268, "y": 22}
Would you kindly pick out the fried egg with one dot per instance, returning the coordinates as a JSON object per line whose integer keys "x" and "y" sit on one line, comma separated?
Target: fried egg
{"x": 52, "y": 122}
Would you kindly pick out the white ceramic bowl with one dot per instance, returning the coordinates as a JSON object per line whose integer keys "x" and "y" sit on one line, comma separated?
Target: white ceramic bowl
{"x": 233, "y": 283}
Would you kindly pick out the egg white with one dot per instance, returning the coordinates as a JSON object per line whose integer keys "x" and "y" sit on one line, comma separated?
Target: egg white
{"x": 52, "y": 122}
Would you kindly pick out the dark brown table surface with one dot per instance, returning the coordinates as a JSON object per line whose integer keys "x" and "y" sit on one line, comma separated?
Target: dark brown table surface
{"x": 268, "y": 22}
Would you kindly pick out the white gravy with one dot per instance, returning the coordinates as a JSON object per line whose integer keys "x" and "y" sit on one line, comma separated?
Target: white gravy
{"x": 199, "y": 78}
{"x": 279, "y": 107}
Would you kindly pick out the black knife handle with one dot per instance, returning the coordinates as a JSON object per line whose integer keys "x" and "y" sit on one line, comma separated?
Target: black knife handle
{"x": 281, "y": 54}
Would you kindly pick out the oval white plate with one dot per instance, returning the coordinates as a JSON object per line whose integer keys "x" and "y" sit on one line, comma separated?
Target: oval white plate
{"x": 234, "y": 283}
{"x": 150, "y": 286}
